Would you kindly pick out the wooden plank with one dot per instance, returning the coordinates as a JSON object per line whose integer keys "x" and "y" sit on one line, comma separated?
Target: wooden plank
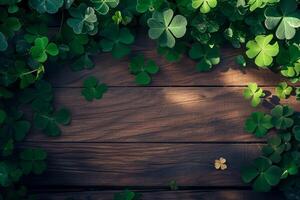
{"x": 115, "y": 72}
{"x": 143, "y": 164}
{"x": 165, "y": 195}
{"x": 172, "y": 114}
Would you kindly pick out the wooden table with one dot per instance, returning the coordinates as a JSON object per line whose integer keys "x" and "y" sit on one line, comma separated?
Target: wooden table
{"x": 143, "y": 137}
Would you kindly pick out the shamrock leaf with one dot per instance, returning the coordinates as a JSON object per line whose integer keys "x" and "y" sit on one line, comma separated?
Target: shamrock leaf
{"x": 33, "y": 160}
{"x": 290, "y": 164}
{"x": 116, "y": 40}
{"x": 14, "y": 126}
{"x": 220, "y": 163}
{"x": 9, "y": 173}
{"x": 258, "y": 124}
{"x": 274, "y": 149}
{"x": 127, "y": 195}
{"x": 165, "y": 27}
{"x": 262, "y": 50}
{"x": 92, "y": 89}
{"x": 142, "y": 70}
{"x": 254, "y": 4}
{"x": 40, "y": 97}
{"x": 84, "y": 20}
{"x": 172, "y": 54}
{"x": 281, "y": 117}
{"x": 254, "y": 93}
{"x": 49, "y": 6}
{"x": 286, "y": 19}
{"x": 208, "y": 56}
{"x": 3, "y": 42}
{"x": 83, "y": 62}
{"x": 296, "y": 131}
{"x": 35, "y": 31}
{"x": 263, "y": 174}
{"x": 283, "y": 90}
{"x": 148, "y": 5}
{"x": 102, "y": 6}
{"x": 297, "y": 93}
{"x": 8, "y": 25}
{"x": 41, "y": 48}
{"x": 205, "y": 5}
{"x": 48, "y": 121}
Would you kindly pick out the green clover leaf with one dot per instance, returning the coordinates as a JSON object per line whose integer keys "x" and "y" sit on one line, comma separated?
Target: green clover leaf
{"x": 281, "y": 117}
{"x": 102, "y": 6}
{"x": 297, "y": 91}
{"x": 262, "y": 50}
{"x": 164, "y": 27}
{"x": 116, "y": 40}
{"x": 258, "y": 124}
{"x": 9, "y": 173}
{"x": 15, "y": 126}
{"x": 296, "y": 132}
{"x": 49, "y": 6}
{"x": 254, "y": 93}
{"x": 42, "y": 48}
{"x": 283, "y": 90}
{"x": 49, "y": 121}
{"x": 142, "y": 70}
{"x": 127, "y": 195}
{"x": 148, "y": 5}
{"x": 92, "y": 89}
{"x": 33, "y": 160}
{"x": 262, "y": 173}
{"x": 274, "y": 149}
{"x": 290, "y": 164}
{"x": 172, "y": 54}
{"x": 84, "y": 20}
{"x": 286, "y": 19}
{"x": 205, "y": 5}
{"x": 254, "y": 4}
{"x": 207, "y": 55}
{"x": 3, "y": 42}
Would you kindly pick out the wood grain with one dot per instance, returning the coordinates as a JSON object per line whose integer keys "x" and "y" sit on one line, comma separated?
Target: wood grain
{"x": 115, "y": 72}
{"x": 143, "y": 164}
{"x": 171, "y": 114}
{"x": 165, "y": 195}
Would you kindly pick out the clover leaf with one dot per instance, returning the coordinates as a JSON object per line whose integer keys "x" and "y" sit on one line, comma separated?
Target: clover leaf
{"x": 3, "y": 42}
{"x": 297, "y": 91}
{"x": 254, "y": 4}
{"x": 9, "y": 25}
{"x": 49, "y": 121}
{"x": 116, "y": 40}
{"x": 142, "y": 70}
{"x": 84, "y": 20}
{"x": 258, "y": 123}
{"x": 42, "y": 48}
{"x": 49, "y": 6}
{"x": 262, "y": 173}
{"x": 207, "y": 55}
{"x": 205, "y": 5}
{"x": 281, "y": 117}
{"x": 148, "y": 5}
{"x": 165, "y": 27}
{"x": 290, "y": 164}
{"x": 254, "y": 93}
{"x": 14, "y": 125}
{"x": 127, "y": 195}
{"x": 33, "y": 160}
{"x": 92, "y": 89}
{"x": 9, "y": 173}
{"x": 102, "y": 6}
{"x": 172, "y": 54}
{"x": 283, "y": 90}
{"x": 274, "y": 149}
{"x": 262, "y": 50}
{"x": 286, "y": 19}
{"x": 296, "y": 132}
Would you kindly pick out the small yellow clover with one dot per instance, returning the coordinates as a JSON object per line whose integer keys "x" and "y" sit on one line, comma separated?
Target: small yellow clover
{"x": 221, "y": 163}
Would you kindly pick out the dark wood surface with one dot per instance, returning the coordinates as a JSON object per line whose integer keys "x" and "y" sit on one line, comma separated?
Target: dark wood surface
{"x": 144, "y": 137}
